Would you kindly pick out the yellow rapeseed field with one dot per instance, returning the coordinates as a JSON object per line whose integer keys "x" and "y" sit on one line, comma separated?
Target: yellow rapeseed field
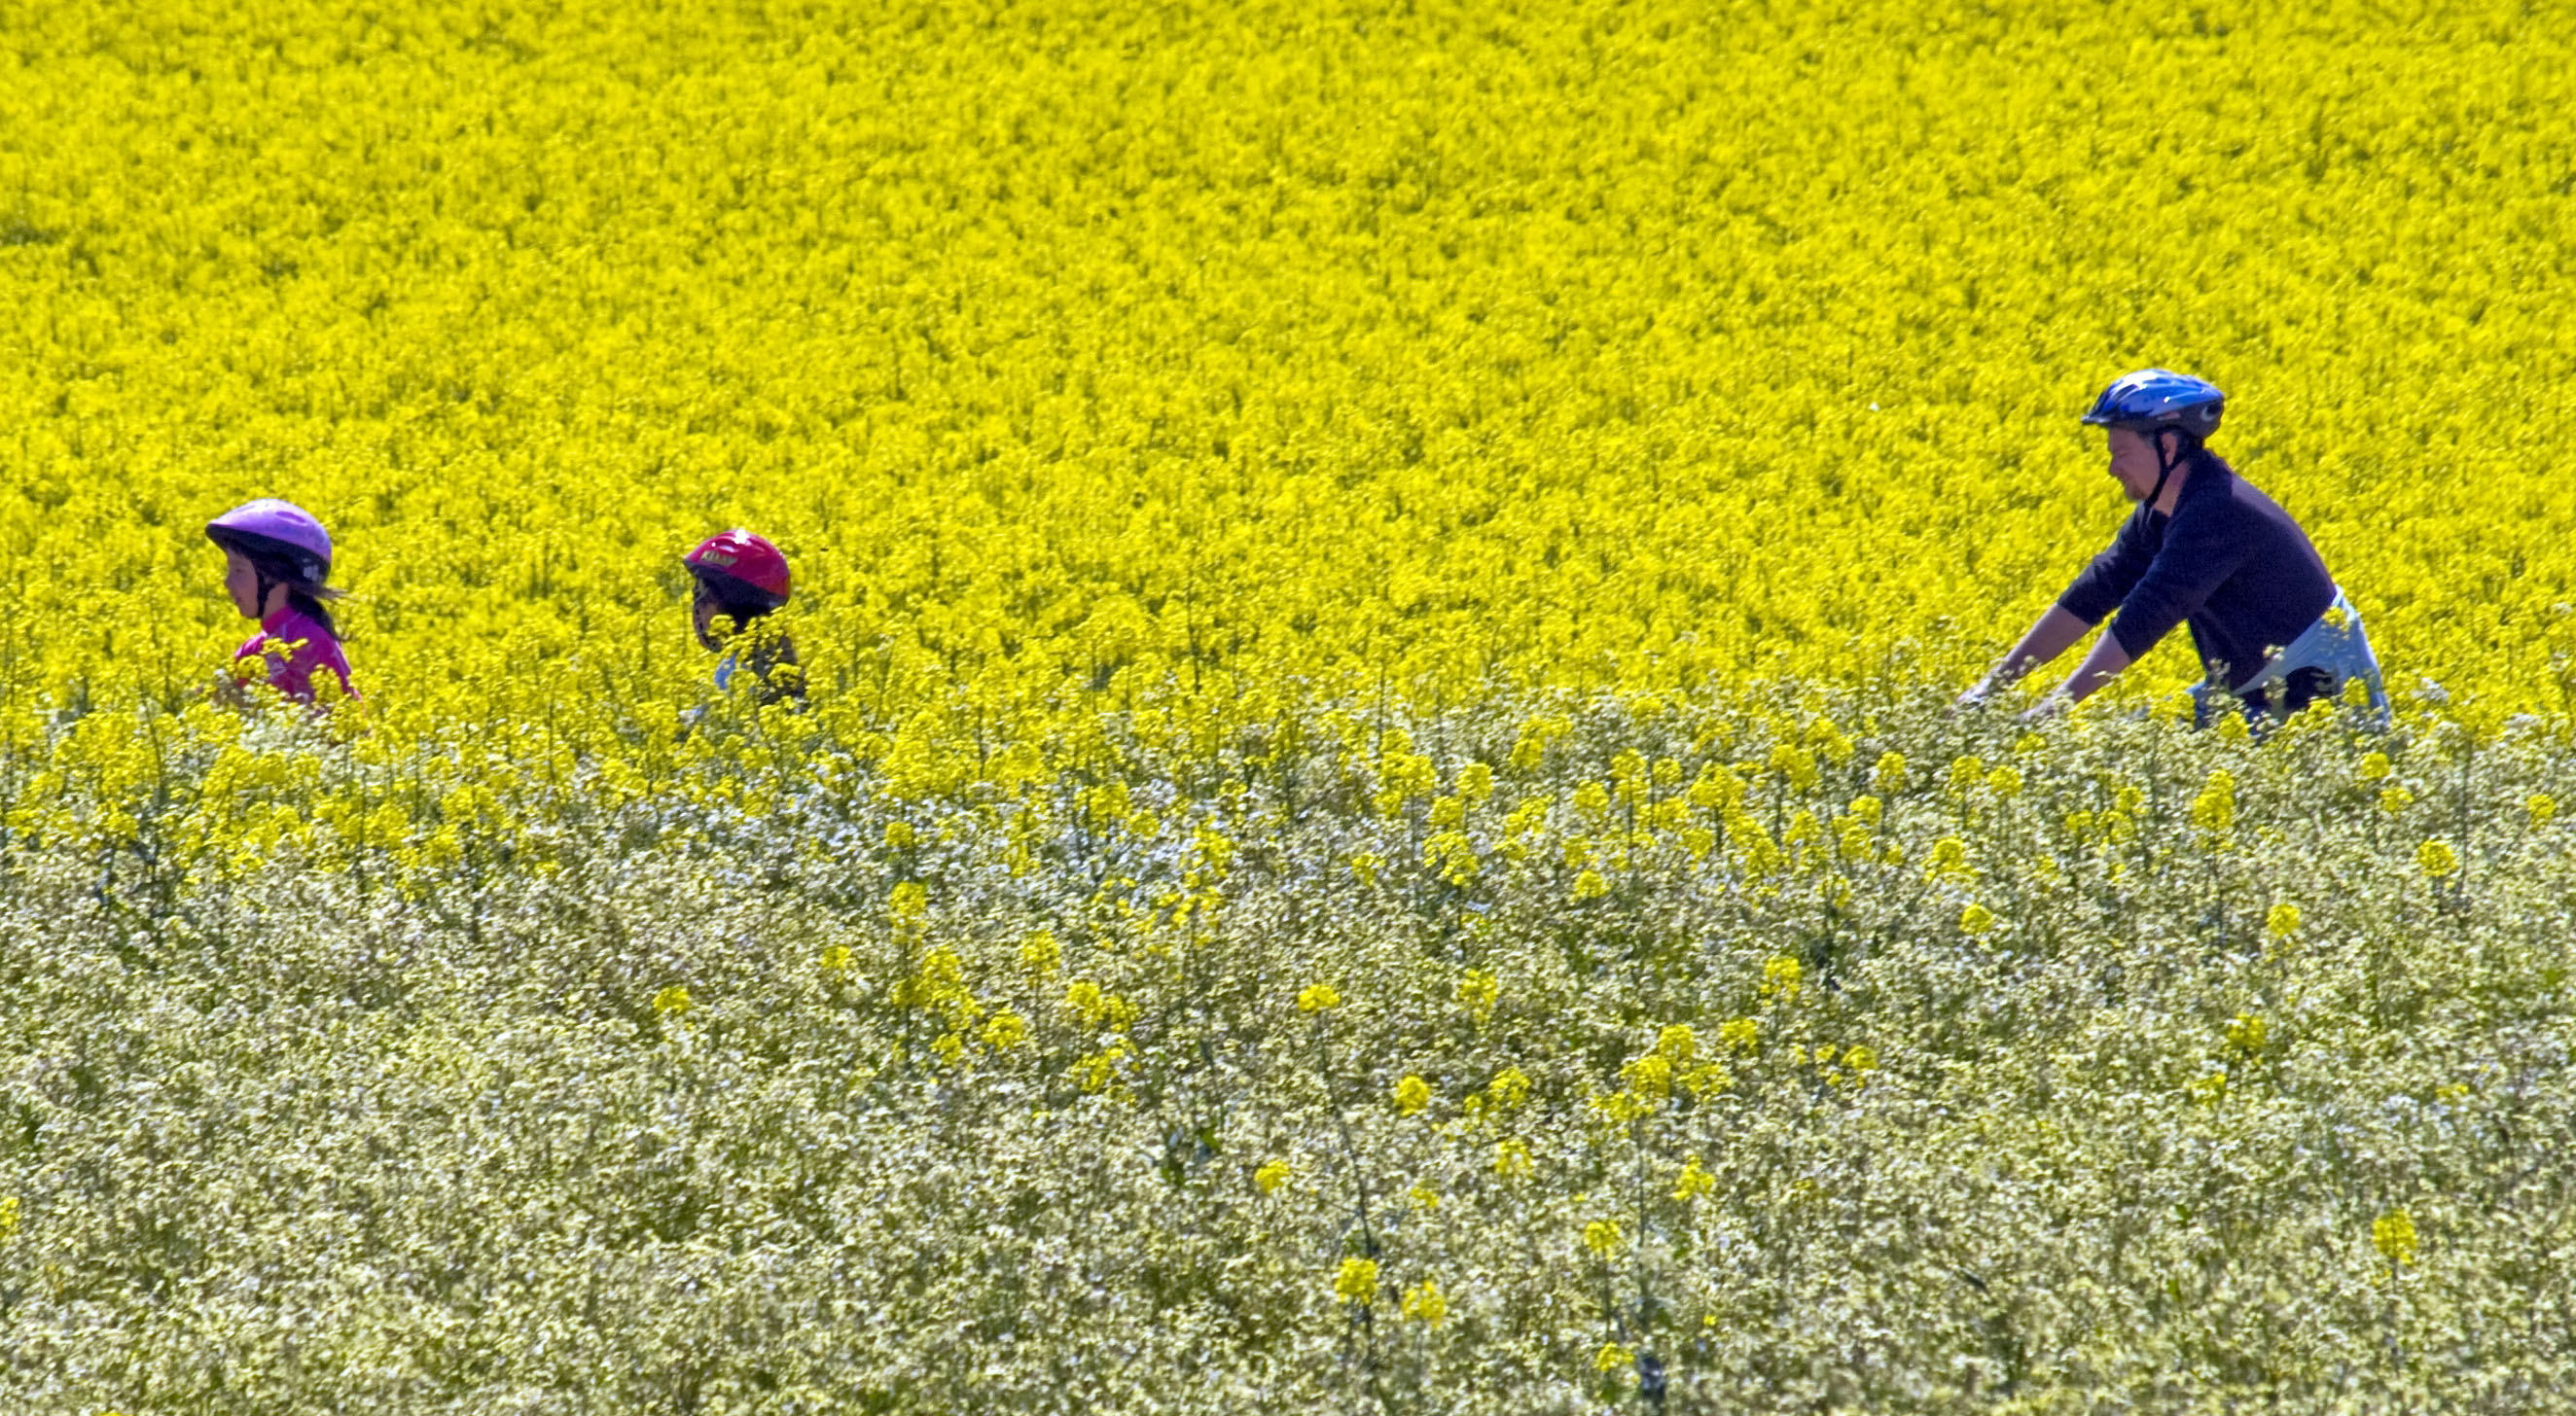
{"x": 1373, "y": 826}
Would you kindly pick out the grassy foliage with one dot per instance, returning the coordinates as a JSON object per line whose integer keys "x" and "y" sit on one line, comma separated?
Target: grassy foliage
{"x": 2116, "y": 1063}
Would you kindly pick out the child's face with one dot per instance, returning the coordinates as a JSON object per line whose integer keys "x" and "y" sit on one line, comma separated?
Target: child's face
{"x": 242, "y": 583}
{"x": 702, "y": 613}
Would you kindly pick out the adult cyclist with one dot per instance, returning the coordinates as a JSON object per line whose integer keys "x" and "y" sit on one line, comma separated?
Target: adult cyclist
{"x": 2204, "y": 547}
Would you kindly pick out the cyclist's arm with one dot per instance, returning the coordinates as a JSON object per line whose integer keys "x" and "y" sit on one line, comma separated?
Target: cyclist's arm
{"x": 2106, "y": 580}
{"x": 2099, "y": 667}
{"x": 2200, "y": 552}
{"x": 2098, "y": 590}
{"x": 2051, "y": 635}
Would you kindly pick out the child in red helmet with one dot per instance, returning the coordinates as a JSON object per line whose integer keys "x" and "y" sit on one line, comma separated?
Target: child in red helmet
{"x": 276, "y": 559}
{"x": 741, "y": 578}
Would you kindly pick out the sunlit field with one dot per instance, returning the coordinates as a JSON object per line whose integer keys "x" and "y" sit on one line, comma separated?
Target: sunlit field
{"x": 1376, "y": 827}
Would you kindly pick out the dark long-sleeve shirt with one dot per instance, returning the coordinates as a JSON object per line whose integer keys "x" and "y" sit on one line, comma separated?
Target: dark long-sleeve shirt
{"x": 2228, "y": 560}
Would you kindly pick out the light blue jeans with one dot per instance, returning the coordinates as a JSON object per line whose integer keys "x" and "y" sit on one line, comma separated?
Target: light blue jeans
{"x": 2340, "y": 651}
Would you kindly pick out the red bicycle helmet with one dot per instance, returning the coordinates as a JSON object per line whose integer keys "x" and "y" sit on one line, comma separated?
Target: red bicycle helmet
{"x": 740, "y": 569}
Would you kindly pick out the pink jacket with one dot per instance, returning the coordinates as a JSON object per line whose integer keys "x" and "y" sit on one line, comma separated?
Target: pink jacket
{"x": 291, "y": 673}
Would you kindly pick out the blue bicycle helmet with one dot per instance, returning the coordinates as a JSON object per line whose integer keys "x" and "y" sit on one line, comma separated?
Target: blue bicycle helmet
{"x": 2151, "y": 399}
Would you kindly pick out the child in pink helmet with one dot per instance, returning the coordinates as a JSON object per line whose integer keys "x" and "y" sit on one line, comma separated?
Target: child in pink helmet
{"x": 276, "y": 560}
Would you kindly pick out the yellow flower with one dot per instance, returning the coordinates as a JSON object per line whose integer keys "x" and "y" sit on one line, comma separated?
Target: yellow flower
{"x": 1796, "y": 764}
{"x": 2437, "y": 859}
{"x": 1098, "y": 1071}
{"x": 1649, "y": 1079}
{"x": 8, "y": 1216}
{"x": 1271, "y": 1176}
{"x": 1716, "y": 788}
{"x": 1423, "y": 1303}
{"x": 2541, "y": 807}
{"x": 1099, "y": 1010}
{"x": 1613, "y": 1358}
{"x": 1511, "y": 1160}
{"x": 1005, "y": 1030}
{"x": 2393, "y": 1234}
{"x": 2373, "y": 767}
{"x": 1590, "y": 886}
{"x": 1528, "y": 752}
{"x": 1975, "y": 920}
{"x": 1624, "y": 1106}
{"x": 909, "y": 901}
{"x": 1510, "y": 1087}
{"x": 2282, "y": 921}
{"x": 1693, "y": 1182}
{"x": 1592, "y": 801}
{"x": 1040, "y": 954}
{"x": 2395, "y": 799}
{"x": 2246, "y": 1034}
{"x": 1411, "y": 1095}
{"x": 1316, "y": 998}
{"x": 1826, "y": 736}
{"x": 1477, "y": 990}
{"x": 1780, "y": 978}
{"x": 1424, "y": 1198}
{"x": 837, "y": 961}
{"x": 1602, "y": 1237}
{"x": 1742, "y": 1034}
{"x": 671, "y": 1001}
{"x": 2214, "y": 810}
{"x": 1356, "y": 1283}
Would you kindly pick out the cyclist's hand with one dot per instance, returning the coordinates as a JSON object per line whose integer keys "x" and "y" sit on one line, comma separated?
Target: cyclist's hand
{"x": 2054, "y": 705}
{"x": 1974, "y": 699}
{"x": 226, "y": 691}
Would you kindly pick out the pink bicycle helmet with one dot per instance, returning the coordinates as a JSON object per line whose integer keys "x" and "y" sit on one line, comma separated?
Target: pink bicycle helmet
{"x": 741, "y": 568}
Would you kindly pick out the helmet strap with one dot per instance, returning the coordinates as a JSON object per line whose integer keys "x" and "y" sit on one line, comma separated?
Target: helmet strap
{"x": 2164, "y": 465}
